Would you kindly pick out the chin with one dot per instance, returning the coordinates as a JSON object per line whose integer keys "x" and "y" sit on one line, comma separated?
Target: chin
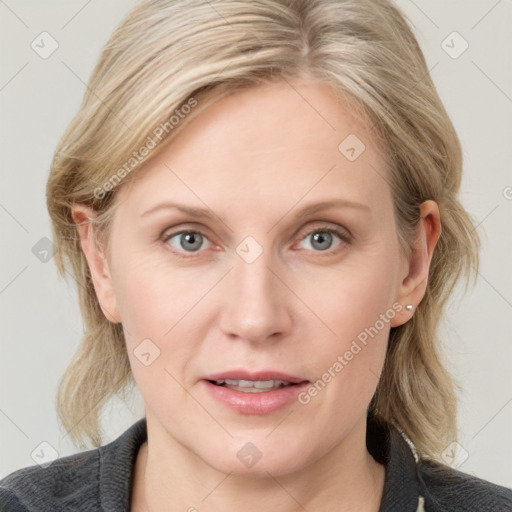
{"x": 257, "y": 460}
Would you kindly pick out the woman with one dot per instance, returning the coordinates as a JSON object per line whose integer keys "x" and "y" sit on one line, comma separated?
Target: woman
{"x": 264, "y": 239}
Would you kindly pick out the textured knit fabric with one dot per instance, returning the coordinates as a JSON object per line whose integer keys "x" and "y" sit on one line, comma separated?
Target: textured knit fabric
{"x": 101, "y": 480}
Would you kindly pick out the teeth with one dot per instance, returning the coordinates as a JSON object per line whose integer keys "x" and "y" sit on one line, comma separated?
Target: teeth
{"x": 252, "y": 385}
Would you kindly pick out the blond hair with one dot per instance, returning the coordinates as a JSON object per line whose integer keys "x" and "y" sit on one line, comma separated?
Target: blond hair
{"x": 167, "y": 54}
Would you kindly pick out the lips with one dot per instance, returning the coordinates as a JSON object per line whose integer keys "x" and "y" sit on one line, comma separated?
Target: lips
{"x": 261, "y": 392}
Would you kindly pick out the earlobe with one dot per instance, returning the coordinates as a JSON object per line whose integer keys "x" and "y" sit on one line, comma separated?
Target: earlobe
{"x": 413, "y": 286}
{"x": 83, "y": 217}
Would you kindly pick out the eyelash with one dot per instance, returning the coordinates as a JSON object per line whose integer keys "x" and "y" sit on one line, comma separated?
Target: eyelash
{"x": 344, "y": 236}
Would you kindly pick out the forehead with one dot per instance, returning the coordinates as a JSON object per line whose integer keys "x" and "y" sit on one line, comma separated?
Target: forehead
{"x": 294, "y": 138}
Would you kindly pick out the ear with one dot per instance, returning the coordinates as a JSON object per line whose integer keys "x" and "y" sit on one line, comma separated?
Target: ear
{"x": 414, "y": 277}
{"x": 96, "y": 260}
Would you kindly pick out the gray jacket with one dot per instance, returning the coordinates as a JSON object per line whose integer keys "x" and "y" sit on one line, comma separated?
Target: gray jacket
{"x": 100, "y": 480}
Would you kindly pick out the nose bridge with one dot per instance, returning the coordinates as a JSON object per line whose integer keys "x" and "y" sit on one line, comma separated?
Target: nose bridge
{"x": 254, "y": 307}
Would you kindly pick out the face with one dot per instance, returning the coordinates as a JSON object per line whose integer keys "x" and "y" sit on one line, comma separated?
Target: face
{"x": 280, "y": 256}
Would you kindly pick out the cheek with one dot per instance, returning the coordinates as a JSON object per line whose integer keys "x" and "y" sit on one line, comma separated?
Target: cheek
{"x": 159, "y": 305}
{"x": 355, "y": 307}
{"x": 350, "y": 297}
{"x": 152, "y": 295}
{"x": 156, "y": 307}
{"x": 348, "y": 364}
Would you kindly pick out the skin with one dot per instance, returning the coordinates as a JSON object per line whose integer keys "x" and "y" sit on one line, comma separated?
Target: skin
{"x": 255, "y": 159}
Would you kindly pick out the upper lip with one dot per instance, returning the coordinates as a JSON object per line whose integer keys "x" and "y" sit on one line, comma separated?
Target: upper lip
{"x": 259, "y": 375}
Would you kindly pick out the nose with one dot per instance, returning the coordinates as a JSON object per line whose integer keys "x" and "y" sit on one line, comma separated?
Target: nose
{"x": 256, "y": 304}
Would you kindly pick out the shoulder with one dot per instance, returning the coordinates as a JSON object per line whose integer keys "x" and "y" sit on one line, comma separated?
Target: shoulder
{"x": 88, "y": 480}
{"x": 447, "y": 489}
{"x": 60, "y": 484}
{"x": 426, "y": 485}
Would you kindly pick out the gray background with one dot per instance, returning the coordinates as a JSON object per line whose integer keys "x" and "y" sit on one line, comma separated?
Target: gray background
{"x": 40, "y": 321}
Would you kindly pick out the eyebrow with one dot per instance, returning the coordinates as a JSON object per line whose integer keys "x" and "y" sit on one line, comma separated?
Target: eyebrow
{"x": 308, "y": 210}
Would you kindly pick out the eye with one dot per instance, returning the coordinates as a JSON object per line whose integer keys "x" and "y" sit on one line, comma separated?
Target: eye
{"x": 188, "y": 241}
{"x": 192, "y": 241}
{"x": 322, "y": 238}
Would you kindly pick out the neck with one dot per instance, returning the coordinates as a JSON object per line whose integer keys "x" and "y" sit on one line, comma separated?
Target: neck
{"x": 170, "y": 477}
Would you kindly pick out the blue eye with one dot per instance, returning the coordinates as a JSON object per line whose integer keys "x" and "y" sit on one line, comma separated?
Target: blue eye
{"x": 322, "y": 239}
{"x": 189, "y": 241}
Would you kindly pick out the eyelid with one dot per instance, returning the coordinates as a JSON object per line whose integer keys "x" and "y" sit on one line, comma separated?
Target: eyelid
{"x": 342, "y": 232}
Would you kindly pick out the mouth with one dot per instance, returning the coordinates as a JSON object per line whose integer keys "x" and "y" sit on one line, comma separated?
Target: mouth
{"x": 260, "y": 392}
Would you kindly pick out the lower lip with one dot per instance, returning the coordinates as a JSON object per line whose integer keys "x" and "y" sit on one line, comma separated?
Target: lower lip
{"x": 264, "y": 402}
